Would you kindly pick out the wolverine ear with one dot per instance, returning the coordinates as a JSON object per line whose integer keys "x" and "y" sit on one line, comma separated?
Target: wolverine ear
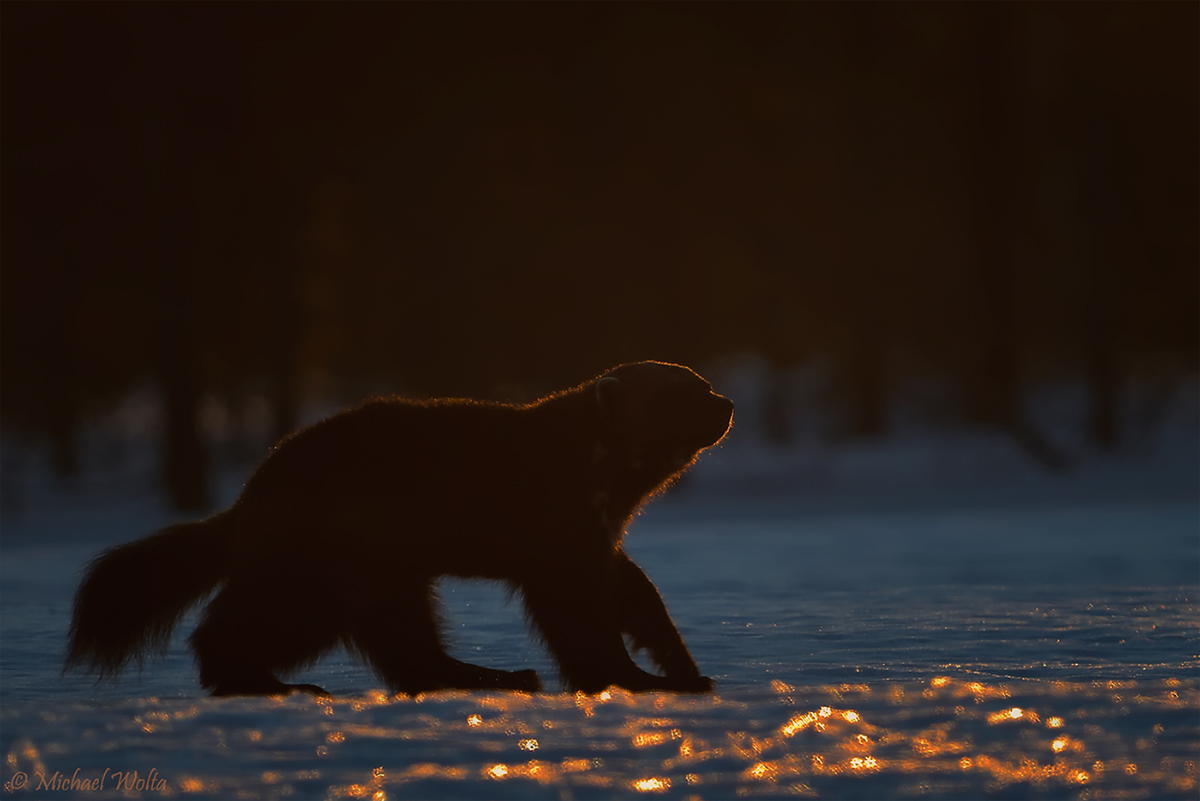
{"x": 608, "y": 394}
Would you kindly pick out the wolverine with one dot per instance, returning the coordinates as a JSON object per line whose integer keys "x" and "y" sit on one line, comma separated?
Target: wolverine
{"x": 340, "y": 535}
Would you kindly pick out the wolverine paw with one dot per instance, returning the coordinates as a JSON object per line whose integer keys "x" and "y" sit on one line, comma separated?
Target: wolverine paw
{"x": 523, "y": 680}
{"x": 693, "y": 684}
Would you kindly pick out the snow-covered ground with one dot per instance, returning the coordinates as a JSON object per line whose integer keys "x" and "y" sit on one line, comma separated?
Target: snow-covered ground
{"x": 929, "y": 616}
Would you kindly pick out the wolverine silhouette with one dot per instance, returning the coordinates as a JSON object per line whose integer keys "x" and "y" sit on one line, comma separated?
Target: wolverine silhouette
{"x": 339, "y": 537}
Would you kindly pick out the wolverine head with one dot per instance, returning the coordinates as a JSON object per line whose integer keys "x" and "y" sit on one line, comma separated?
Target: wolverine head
{"x": 660, "y": 412}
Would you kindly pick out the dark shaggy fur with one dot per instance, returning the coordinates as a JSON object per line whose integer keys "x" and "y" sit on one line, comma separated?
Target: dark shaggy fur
{"x": 340, "y": 534}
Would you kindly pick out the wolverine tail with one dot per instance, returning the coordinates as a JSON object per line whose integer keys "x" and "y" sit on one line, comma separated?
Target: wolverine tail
{"x": 133, "y": 595}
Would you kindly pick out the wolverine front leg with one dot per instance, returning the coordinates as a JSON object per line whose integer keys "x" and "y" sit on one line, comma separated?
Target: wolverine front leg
{"x": 398, "y": 634}
{"x": 642, "y": 615}
{"x": 575, "y": 617}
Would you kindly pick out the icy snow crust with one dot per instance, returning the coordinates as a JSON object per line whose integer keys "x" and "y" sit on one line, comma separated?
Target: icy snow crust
{"x": 945, "y": 737}
{"x": 934, "y": 619}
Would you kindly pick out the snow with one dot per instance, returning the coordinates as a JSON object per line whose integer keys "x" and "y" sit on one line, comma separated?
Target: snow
{"x": 944, "y": 737}
{"x": 926, "y": 616}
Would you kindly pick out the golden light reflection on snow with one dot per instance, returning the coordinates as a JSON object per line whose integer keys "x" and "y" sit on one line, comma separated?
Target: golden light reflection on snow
{"x": 798, "y": 723}
{"x": 645, "y": 739}
{"x": 962, "y": 737}
{"x": 782, "y": 688}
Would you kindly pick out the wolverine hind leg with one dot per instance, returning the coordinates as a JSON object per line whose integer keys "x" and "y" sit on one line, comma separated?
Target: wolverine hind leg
{"x": 401, "y": 640}
{"x": 246, "y": 637}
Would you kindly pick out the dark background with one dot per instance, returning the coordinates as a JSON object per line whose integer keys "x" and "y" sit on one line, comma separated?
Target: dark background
{"x": 325, "y": 200}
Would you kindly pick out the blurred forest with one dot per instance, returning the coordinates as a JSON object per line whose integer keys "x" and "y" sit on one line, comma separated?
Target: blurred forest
{"x": 300, "y": 200}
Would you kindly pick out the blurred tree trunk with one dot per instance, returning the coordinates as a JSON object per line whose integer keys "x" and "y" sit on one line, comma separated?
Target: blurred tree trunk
{"x": 874, "y": 136}
{"x": 992, "y": 142}
{"x": 867, "y": 366}
{"x": 776, "y": 406}
{"x": 1100, "y": 193}
{"x": 64, "y": 392}
{"x": 285, "y": 369}
{"x": 63, "y": 386}
{"x": 185, "y": 465}
{"x": 286, "y": 256}
{"x": 996, "y": 156}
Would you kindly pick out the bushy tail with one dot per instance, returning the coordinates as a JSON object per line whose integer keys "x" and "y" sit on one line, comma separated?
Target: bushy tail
{"x": 133, "y": 595}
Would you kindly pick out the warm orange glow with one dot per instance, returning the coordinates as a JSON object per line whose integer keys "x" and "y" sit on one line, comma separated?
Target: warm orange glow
{"x": 759, "y": 757}
{"x": 428, "y": 770}
{"x": 605, "y": 696}
{"x": 586, "y": 703}
{"x": 501, "y": 703}
{"x": 646, "y": 739}
{"x": 652, "y": 784}
{"x": 940, "y": 681}
{"x": 799, "y": 722}
{"x": 1015, "y": 713}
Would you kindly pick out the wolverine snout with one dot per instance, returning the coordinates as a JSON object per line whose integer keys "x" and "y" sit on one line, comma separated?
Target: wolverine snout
{"x": 722, "y": 416}
{"x": 724, "y": 403}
